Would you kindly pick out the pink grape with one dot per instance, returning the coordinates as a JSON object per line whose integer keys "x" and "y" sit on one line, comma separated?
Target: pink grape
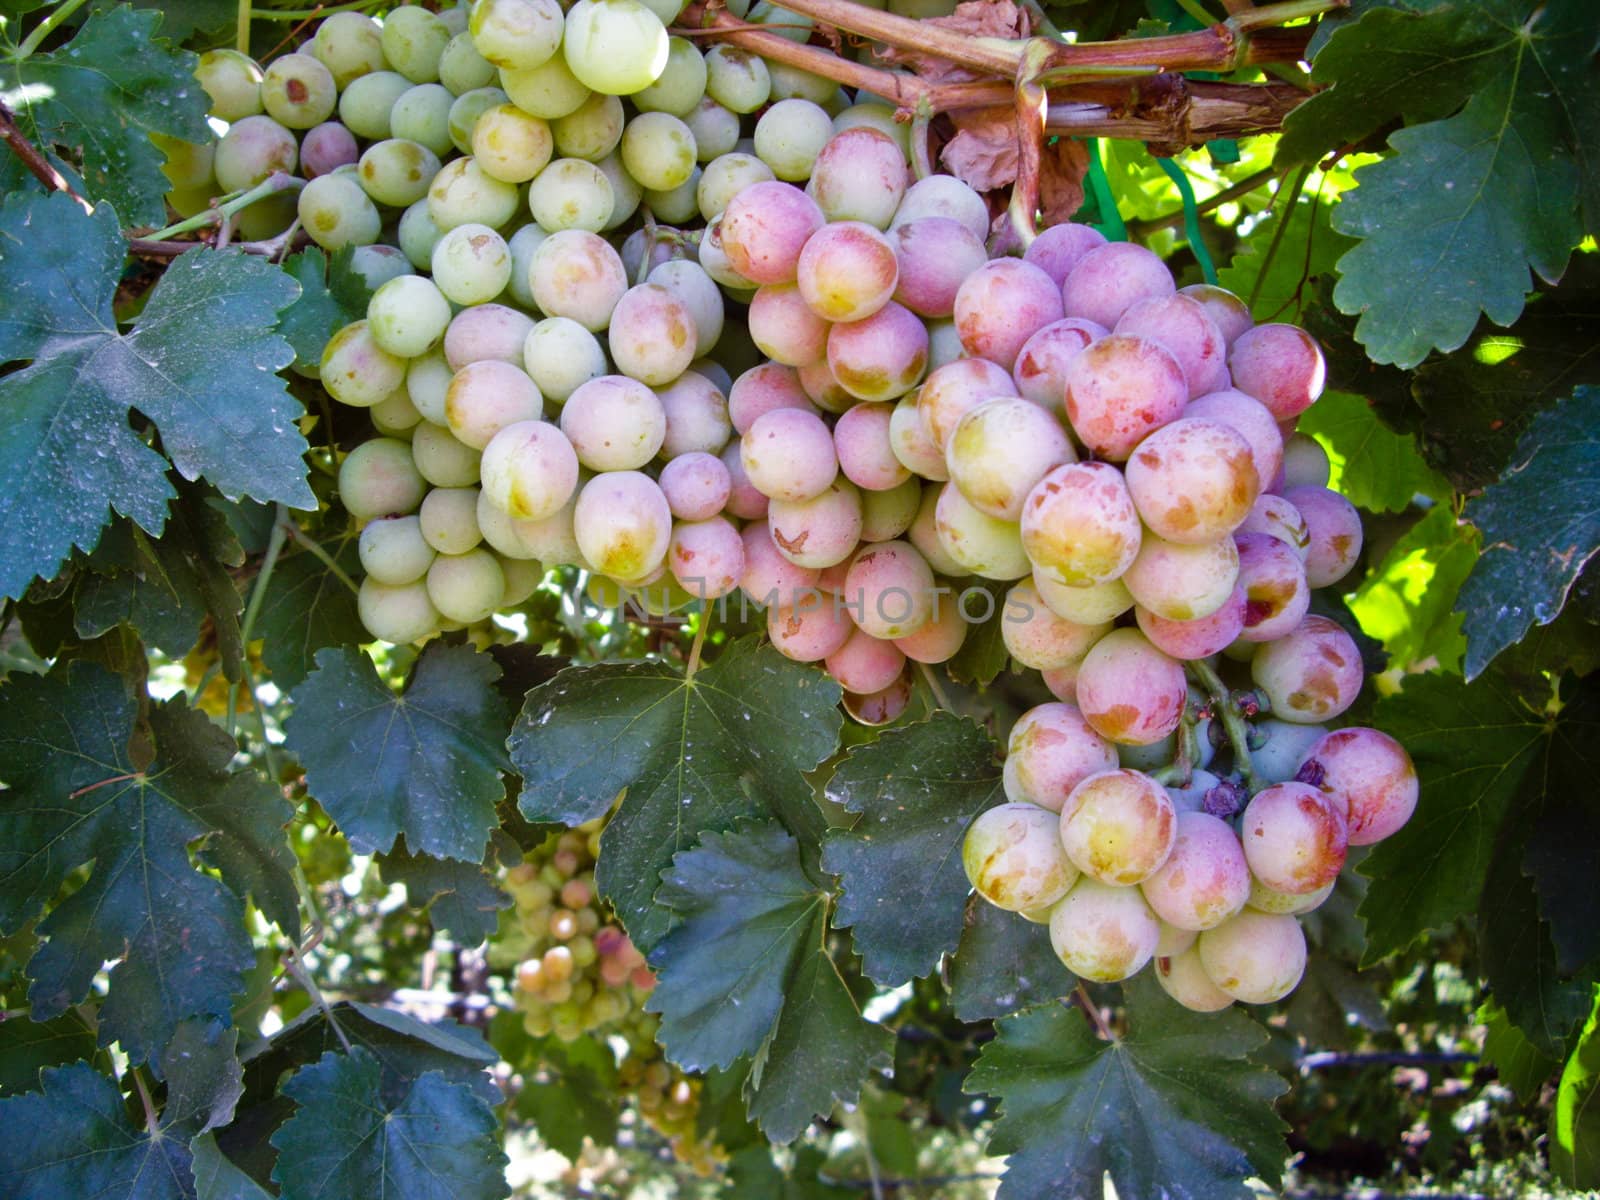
{"x": 788, "y": 454}
{"x": 484, "y": 397}
{"x": 1059, "y": 248}
{"x": 1000, "y": 450}
{"x": 1253, "y": 956}
{"x": 1086, "y": 605}
{"x": 1108, "y": 280}
{"x": 486, "y": 331}
{"x": 1274, "y": 583}
{"x": 697, "y": 416}
{"x": 1264, "y": 899}
{"x": 1041, "y": 367}
{"x": 955, "y": 389}
{"x": 1311, "y": 675}
{"x": 1103, "y": 933}
{"x": 912, "y": 446}
{"x": 623, "y": 524}
{"x": 1052, "y": 750}
{"x": 944, "y": 196}
{"x": 1231, "y": 314}
{"x": 1121, "y": 389}
{"x": 1182, "y": 582}
{"x": 325, "y": 148}
{"x": 1205, "y": 880}
{"x": 1250, "y": 419}
{"x": 1129, "y": 691}
{"x": 1062, "y": 682}
{"x": 935, "y": 255}
{"x": 865, "y": 664}
{"x": 760, "y": 390}
{"x": 1199, "y": 638}
{"x": 1280, "y": 365}
{"x": 1183, "y": 978}
{"x": 1333, "y": 533}
{"x": 1037, "y": 637}
{"x": 1118, "y": 826}
{"x": 1276, "y": 517}
{"x": 808, "y": 630}
{"x": 1192, "y": 481}
{"x": 821, "y": 531}
{"x": 1183, "y": 326}
{"x": 941, "y": 638}
{"x": 887, "y": 513}
{"x": 822, "y": 389}
{"x": 880, "y": 357}
{"x": 1014, "y": 859}
{"x": 706, "y": 557}
{"x": 696, "y": 485}
{"x": 784, "y": 328}
{"x": 614, "y": 423}
{"x": 860, "y": 175}
{"x": 652, "y": 334}
{"x": 1079, "y": 525}
{"x": 981, "y": 544}
{"x": 1295, "y": 837}
{"x": 765, "y": 227}
{"x": 1371, "y": 774}
{"x": 924, "y": 533}
{"x": 1001, "y": 305}
{"x": 529, "y": 470}
{"x": 861, "y": 439}
{"x": 889, "y": 590}
{"x": 576, "y": 274}
{"x": 847, "y": 271}
{"x": 882, "y": 707}
{"x": 770, "y": 579}
{"x": 745, "y": 500}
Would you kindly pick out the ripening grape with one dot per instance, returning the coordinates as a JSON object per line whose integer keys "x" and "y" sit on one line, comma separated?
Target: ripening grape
{"x": 888, "y": 590}
{"x": 324, "y": 150}
{"x": 846, "y": 271}
{"x": 1181, "y": 582}
{"x": 1086, "y": 605}
{"x": 770, "y": 579}
{"x": 485, "y": 397}
{"x": 1274, "y": 583}
{"x": 1305, "y": 462}
{"x": 486, "y": 331}
{"x": 394, "y": 551}
{"x": 614, "y": 46}
{"x": 1333, "y": 533}
{"x": 1280, "y": 365}
{"x": 466, "y": 587}
{"x": 935, "y": 254}
{"x": 576, "y": 274}
{"x": 1250, "y": 419}
{"x": 442, "y": 458}
{"x": 1276, "y": 517}
{"x": 881, "y": 357}
{"x": 788, "y": 454}
{"x": 910, "y": 441}
{"x": 560, "y": 356}
{"x": 1371, "y": 775}
{"x": 862, "y": 443}
{"x": 1059, "y": 248}
{"x": 1109, "y": 280}
{"x": 1079, "y": 525}
{"x": 1192, "y": 481}
{"x": 761, "y": 389}
{"x": 356, "y": 370}
{"x": 298, "y": 91}
{"x": 1041, "y": 367}
{"x": 979, "y": 543}
{"x": 1253, "y": 956}
{"x": 1265, "y": 899}
{"x": 1013, "y": 858}
{"x": 808, "y": 628}
{"x": 623, "y": 524}
{"x": 1103, "y": 933}
{"x": 1036, "y": 637}
{"x": 614, "y": 423}
{"x": 516, "y": 34}
{"x": 395, "y": 415}
{"x": 250, "y": 151}
{"x": 865, "y": 664}
{"x": 1231, "y": 314}
{"x": 952, "y": 391}
{"x": 1183, "y": 326}
{"x": 1118, "y": 826}
{"x": 1313, "y": 674}
{"x": 529, "y": 470}
{"x": 232, "y": 83}
{"x": 706, "y": 557}
{"x": 766, "y": 227}
{"x": 888, "y": 513}
{"x": 861, "y": 174}
{"x": 1129, "y": 691}
{"x": 1120, "y": 389}
{"x": 944, "y": 196}
{"x": 1183, "y": 977}
{"x": 1198, "y": 638}
{"x": 1295, "y": 837}
{"x": 820, "y": 532}
{"x": 1001, "y": 305}
{"x": 999, "y": 450}
{"x": 1205, "y": 880}
{"x": 1051, "y": 750}
{"x": 941, "y": 638}
{"x": 652, "y": 335}
{"x": 396, "y": 614}
{"x": 783, "y": 326}
{"x": 449, "y": 521}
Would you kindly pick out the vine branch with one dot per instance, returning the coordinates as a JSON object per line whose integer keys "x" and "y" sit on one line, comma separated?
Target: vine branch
{"x": 1080, "y": 997}
{"x": 38, "y": 165}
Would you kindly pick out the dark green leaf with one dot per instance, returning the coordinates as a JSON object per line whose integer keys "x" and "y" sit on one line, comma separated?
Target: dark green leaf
{"x": 1575, "y": 1125}
{"x": 1540, "y": 527}
{"x": 76, "y": 795}
{"x": 1379, "y": 470}
{"x": 1282, "y": 285}
{"x": 752, "y": 1172}
{"x": 695, "y": 756}
{"x": 215, "y": 1176}
{"x": 461, "y": 897}
{"x": 27, "y": 1046}
{"x": 1003, "y": 965}
{"x": 103, "y": 94}
{"x": 306, "y": 609}
{"x": 1563, "y": 850}
{"x": 1331, "y": 1001}
{"x": 747, "y": 973}
{"x": 221, "y": 412}
{"x": 569, "y": 1090}
{"x": 917, "y": 789}
{"x": 204, "y": 1078}
{"x": 1521, "y": 1066}
{"x": 436, "y": 1143}
{"x": 983, "y": 655}
{"x": 321, "y": 311}
{"x": 1175, "y": 1108}
{"x": 74, "y": 1138}
{"x": 425, "y": 763}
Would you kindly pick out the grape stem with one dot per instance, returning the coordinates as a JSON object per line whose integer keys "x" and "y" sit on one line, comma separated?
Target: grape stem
{"x": 151, "y": 1122}
{"x": 1180, "y": 772}
{"x": 699, "y": 642}
{"x": 932, "y": 680}
{"x": 38, "y": 165}
{"x": 277, "y": 182}
{"x": 46, "y": 27}
{"x": 1080, "y": 997}
{"x": 1222, "y": 703}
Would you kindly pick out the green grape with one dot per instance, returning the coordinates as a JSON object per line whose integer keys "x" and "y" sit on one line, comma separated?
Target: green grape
{"x": 786, "y": 24}
{"x": 522, "y": 244}
{"x": 253, "y": 149}
{"x": 336, "y": 212}
{"x": 675, "y": 206}
{"x": 394, "y": 550}
{"x": 397, "y": 614}
{"x": 737, "y": 79}
{"x": 571, "y": 194}
{"x": 792, "y": 83}
{"x": 232, "y": 81}
{"x": 790, "y": 135}
{"x": 418, "y": 234}
{"x": 549, "y": 90}
{"x": 397, "y": 172}
{"x": 466, "y": 110}
{"x": 462, "y": 68}
{"x": 471, "y": 264}
{"x": 427, "y": 383}
{"x": 448, "y": 520}
{"x": 516, "y": 34}
{"x": 298, "y": 91}
{"x": 725, "y": 177}
{"x": 875, "y": 116}
{"x": 510, "y": 145}
{"x": 560, "y": 356}
{"x": 350, "y": 45}
{"x": 441, "y": 459}
{"x": 592, "y": 131}
{"x": 463, "y": 193}
{"x": 395, "y": 416}
{"x": 408, "y": 315}
{"x": 615, "y": 46}
{"x": 682, "y": 82}
{"x": 379, "y": 479}
{"x": 626, "y": 194}
{"x": 365, "y": 105}
{"x": 413, "y": 41}
{"x": 189, "y": 164}
{"x": 422, "y": 115}
{"x": 356, "y": 370}
{"x": 658, "y": 150}
{"x": 266, "y": 218}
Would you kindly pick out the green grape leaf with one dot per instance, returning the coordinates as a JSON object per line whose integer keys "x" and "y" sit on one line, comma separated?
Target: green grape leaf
{"x": 1003, "y": 965}
{"x": 1469, "y": 207}
{"x": 1406, "y": 601}
{"x": 425, "y": 763}
{"x": 983, "y": 655}
{"x": 26, "y": 1047}
{"x": 1483, "y": 758}
{"x": 1540, "y": 527}
{"x": 916, "y": 789}
{"x": 747, "y": 973}
{"x": 1332, "y": 1003}
{"x": 1376, "y": 469}
{"x": 104, "y": 94}
{"x": 569, "y": 1090}
{"x": 69, "y": 451}
{"x": 695, "y": 756}
{"x": 346, "y": 1139}
{"x": 1575, "y": 1124}
{"x": 215, "y": 1176}
{"x": 1282, "y": 283}
{"x": 1521, "y": 1066}
{"x": 204, "y": 1078}
{"x": 1563, "y": 850}
{"x": 329, "y": 300}
{"x": 752, "y": 1172}
{"x": 462, "y": 898}
{"x": 74, "y": 1138}
{"x": 1173, "y": 1108}
{"x": 307, "y": 608}
{"x": 76, "y": 795}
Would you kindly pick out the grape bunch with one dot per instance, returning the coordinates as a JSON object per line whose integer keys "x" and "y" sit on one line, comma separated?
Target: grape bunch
{"x": 578, "y": 971}
{"x": 667, "y": 1099}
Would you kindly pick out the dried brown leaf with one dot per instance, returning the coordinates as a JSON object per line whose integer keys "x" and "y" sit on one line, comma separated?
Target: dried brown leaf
{"x": 974, "y": 18}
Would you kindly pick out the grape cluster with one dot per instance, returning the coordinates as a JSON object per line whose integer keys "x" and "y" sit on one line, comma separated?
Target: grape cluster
{"x": 578, "y": 972}
{"x": 667, "y": 1099}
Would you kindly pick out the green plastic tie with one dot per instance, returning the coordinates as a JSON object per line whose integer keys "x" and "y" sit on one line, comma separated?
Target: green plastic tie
{"x": 1110, "y": 223}
{"x": 1191, "y": 220}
